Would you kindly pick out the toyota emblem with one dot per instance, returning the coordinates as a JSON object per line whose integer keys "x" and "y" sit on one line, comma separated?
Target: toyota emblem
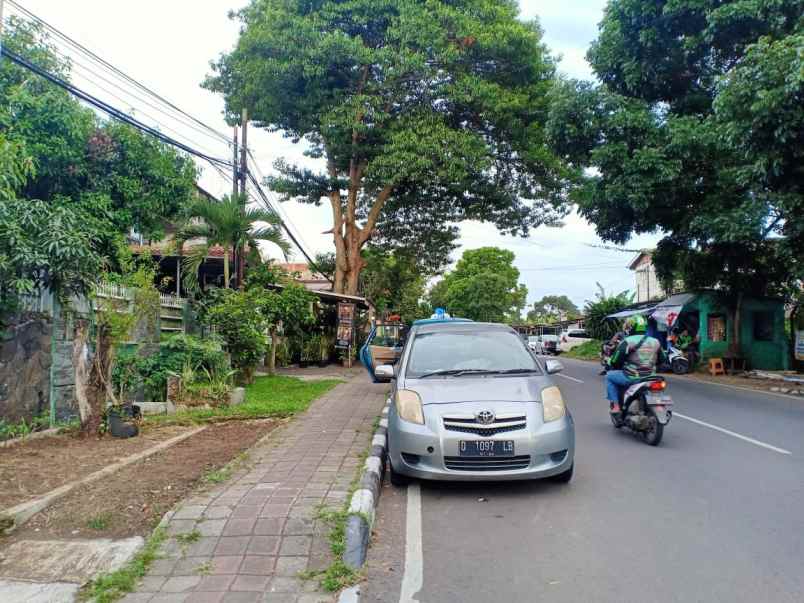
{"x": 485, "y": 417}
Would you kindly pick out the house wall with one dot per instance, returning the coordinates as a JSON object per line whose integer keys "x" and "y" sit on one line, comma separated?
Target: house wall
{"x": 647, "y": 286}
{"x": 767, "y": 355}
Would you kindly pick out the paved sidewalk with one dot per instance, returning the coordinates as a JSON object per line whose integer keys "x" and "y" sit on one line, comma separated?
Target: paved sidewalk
{"x": 258, "y": 531}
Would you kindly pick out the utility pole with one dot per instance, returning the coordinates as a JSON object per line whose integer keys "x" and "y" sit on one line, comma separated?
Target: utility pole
{"x": 2, "y": 2}
{"x": 241, "y": 259}
{"x": 235, "y": 175}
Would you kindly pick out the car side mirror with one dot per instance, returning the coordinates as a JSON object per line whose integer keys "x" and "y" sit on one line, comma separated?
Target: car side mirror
{"x": 553, "y": 366}
{"x": 385, "y": 371}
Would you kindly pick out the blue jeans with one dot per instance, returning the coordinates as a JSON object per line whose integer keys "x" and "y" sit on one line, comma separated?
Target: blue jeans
{"x": 616, "y": 383}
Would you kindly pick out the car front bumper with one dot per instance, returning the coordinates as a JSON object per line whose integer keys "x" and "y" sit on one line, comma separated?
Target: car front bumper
{"x": 422, "y": 451}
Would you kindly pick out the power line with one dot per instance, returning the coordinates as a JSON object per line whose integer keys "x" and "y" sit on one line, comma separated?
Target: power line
{"x": 114, "y": 69}
{"x": 277, "y": 204}
{"x": 81, "y": 66}
{"x": 109, "y": 109}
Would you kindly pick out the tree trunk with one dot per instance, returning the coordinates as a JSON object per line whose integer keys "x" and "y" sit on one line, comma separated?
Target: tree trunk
{"x": 736, "y": 346}
{"x": 272, "y": 354}
{"x": 89, "y": 394}
{"x": 226, "y": 267}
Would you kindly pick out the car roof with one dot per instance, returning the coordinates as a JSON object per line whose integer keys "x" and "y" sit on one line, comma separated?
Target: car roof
{"x": 460, "y": 325}
{"x": 431, "y": 321}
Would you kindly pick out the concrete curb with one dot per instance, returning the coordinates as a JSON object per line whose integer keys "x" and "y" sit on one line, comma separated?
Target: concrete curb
{"x": 31, "y": 436}
{"x": 15, "y": 516}
{"x": 363, "y": 504}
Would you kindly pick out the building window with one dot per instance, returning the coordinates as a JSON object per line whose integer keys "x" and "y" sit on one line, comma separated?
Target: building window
{"x": 716, "y": 327}
{"x": 763, "y": 326}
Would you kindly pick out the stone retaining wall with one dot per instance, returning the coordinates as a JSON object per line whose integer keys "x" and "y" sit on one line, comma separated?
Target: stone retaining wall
{"x": 25, "y": 370}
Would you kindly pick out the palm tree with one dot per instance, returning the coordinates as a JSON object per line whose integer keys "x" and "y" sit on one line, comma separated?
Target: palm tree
{"x": 231, "y": 225}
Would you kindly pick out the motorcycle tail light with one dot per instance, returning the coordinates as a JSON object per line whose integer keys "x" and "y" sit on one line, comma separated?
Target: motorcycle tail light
{"x": 657, "y": 386}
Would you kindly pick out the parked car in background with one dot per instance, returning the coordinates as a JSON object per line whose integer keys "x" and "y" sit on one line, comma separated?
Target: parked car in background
{"x": 544, "y": 344}
{"x": 469, "y": 403}
{"x": 572, "y": 338}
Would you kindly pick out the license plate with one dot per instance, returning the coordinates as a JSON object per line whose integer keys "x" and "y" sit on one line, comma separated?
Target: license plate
{"x": 654, "y": 400}
{"x": 486, "y": 448}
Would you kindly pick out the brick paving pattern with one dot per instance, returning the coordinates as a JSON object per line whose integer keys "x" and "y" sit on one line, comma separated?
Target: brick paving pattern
{"x": 259, "y": 531}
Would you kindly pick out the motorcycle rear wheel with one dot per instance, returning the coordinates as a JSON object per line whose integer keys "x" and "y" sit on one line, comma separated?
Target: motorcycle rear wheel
{"x": 654, "y": 435}
{"x": 680, "y": 366}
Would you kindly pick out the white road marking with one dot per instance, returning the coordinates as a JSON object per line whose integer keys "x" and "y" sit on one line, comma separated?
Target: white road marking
{"x": 570, "y": 378}
{"x": 413, "y": 578}
{"x": 730, "y": 386}
{"x": 732, "y": 433}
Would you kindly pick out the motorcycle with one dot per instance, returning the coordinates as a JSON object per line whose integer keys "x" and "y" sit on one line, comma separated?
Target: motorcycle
{"x": 647, "y": 408}
{"x": 677, "y": 361}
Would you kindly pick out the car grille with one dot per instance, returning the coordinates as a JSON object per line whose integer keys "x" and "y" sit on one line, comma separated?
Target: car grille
{"x": 469, "y": 424}
{"x": 485, "y": 463}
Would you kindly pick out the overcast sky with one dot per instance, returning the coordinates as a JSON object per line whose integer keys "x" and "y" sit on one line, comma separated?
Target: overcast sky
{"x": 167, "y": 45}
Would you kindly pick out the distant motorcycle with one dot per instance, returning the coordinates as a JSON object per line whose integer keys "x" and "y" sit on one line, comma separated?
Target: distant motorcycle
{"x": 677, "y": 361}
{"x": 647, "y": 408}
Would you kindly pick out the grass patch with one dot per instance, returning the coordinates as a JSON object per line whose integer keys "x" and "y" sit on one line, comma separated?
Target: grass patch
{"x": 218, "y": 476}
{"x": 115, "y": 585}
{"x": 267, "y": 397}
{"x": 588, "y": 350}
{"x": 188, "y": 537}
{"x": 338, "y": 575}
{"x": 99, "y": 522}
{"x": 205, "y": 569}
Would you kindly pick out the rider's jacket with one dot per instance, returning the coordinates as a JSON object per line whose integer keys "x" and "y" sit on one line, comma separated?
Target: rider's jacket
{"x": 637, "y": 356}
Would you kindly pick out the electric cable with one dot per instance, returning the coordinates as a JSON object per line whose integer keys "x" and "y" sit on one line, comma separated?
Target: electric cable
{"x": 114, "y": 69}
{"x": 109, "y": 109}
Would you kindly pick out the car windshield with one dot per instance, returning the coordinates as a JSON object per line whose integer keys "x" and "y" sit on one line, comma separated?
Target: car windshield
{"x": 468, "y": 352}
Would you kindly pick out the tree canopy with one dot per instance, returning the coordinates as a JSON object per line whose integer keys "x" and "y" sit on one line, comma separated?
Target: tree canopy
{"x": 120, "y": 176}
{"x": 394, "y": 282}
{"x": 424, "y": 113}
{"x": 484, "y": 286}
{"x": 553, "y": 308}
{"x": 696, "y": 132}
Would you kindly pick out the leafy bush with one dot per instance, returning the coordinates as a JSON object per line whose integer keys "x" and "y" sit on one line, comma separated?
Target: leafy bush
{"x": 595, "y": 312}
{"x": 238, "y": 319}
{"x": 588, "y": 350}
{"x": 176, "y": 352}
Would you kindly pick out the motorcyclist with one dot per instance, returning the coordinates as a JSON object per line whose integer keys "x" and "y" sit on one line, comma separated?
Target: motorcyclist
{"x": 608, "y": 349}
{"x": 636, "y": 357}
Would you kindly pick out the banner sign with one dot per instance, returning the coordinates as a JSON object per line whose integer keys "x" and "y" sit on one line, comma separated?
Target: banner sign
{"x": 800, "y": 345}
{"x": 346, "y": 319}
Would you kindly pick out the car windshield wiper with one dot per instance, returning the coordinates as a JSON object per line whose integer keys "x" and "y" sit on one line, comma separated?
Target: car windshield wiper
{"x": 517, "y": 371}
{"x": 457, "y": 372}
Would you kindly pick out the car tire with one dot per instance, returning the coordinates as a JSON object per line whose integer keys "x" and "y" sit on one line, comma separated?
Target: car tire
{"x": 397, "y": 479}
{"x": 565, "y": 477}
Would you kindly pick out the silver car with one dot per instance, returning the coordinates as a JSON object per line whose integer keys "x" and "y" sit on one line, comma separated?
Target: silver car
{"x": 471, "y": 402}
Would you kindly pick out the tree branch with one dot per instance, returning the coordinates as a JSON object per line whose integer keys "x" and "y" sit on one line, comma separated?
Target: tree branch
{"x": 374, "y": 213}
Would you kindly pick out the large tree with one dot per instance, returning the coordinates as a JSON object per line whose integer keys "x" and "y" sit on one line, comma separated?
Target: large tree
{"x": 553, "y": 308}
{"x": 695, "y": 132}
{"x": 484, "y": 286}
{"x": 424, "y": 114}
{"x": 121, "y": 177}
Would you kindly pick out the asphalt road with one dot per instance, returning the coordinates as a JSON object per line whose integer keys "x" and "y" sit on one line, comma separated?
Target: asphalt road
{"x": 715, "y": 513}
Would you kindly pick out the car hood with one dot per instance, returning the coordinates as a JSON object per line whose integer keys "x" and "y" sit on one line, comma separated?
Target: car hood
{"x": 479, "y": 389}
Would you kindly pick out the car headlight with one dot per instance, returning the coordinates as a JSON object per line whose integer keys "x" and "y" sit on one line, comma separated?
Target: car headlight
{"x": 553, "y": 407}
{"x": 409, "y": 406}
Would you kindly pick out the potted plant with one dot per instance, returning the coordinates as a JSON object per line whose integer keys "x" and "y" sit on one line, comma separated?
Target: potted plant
{"x": 120, "y": 419}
